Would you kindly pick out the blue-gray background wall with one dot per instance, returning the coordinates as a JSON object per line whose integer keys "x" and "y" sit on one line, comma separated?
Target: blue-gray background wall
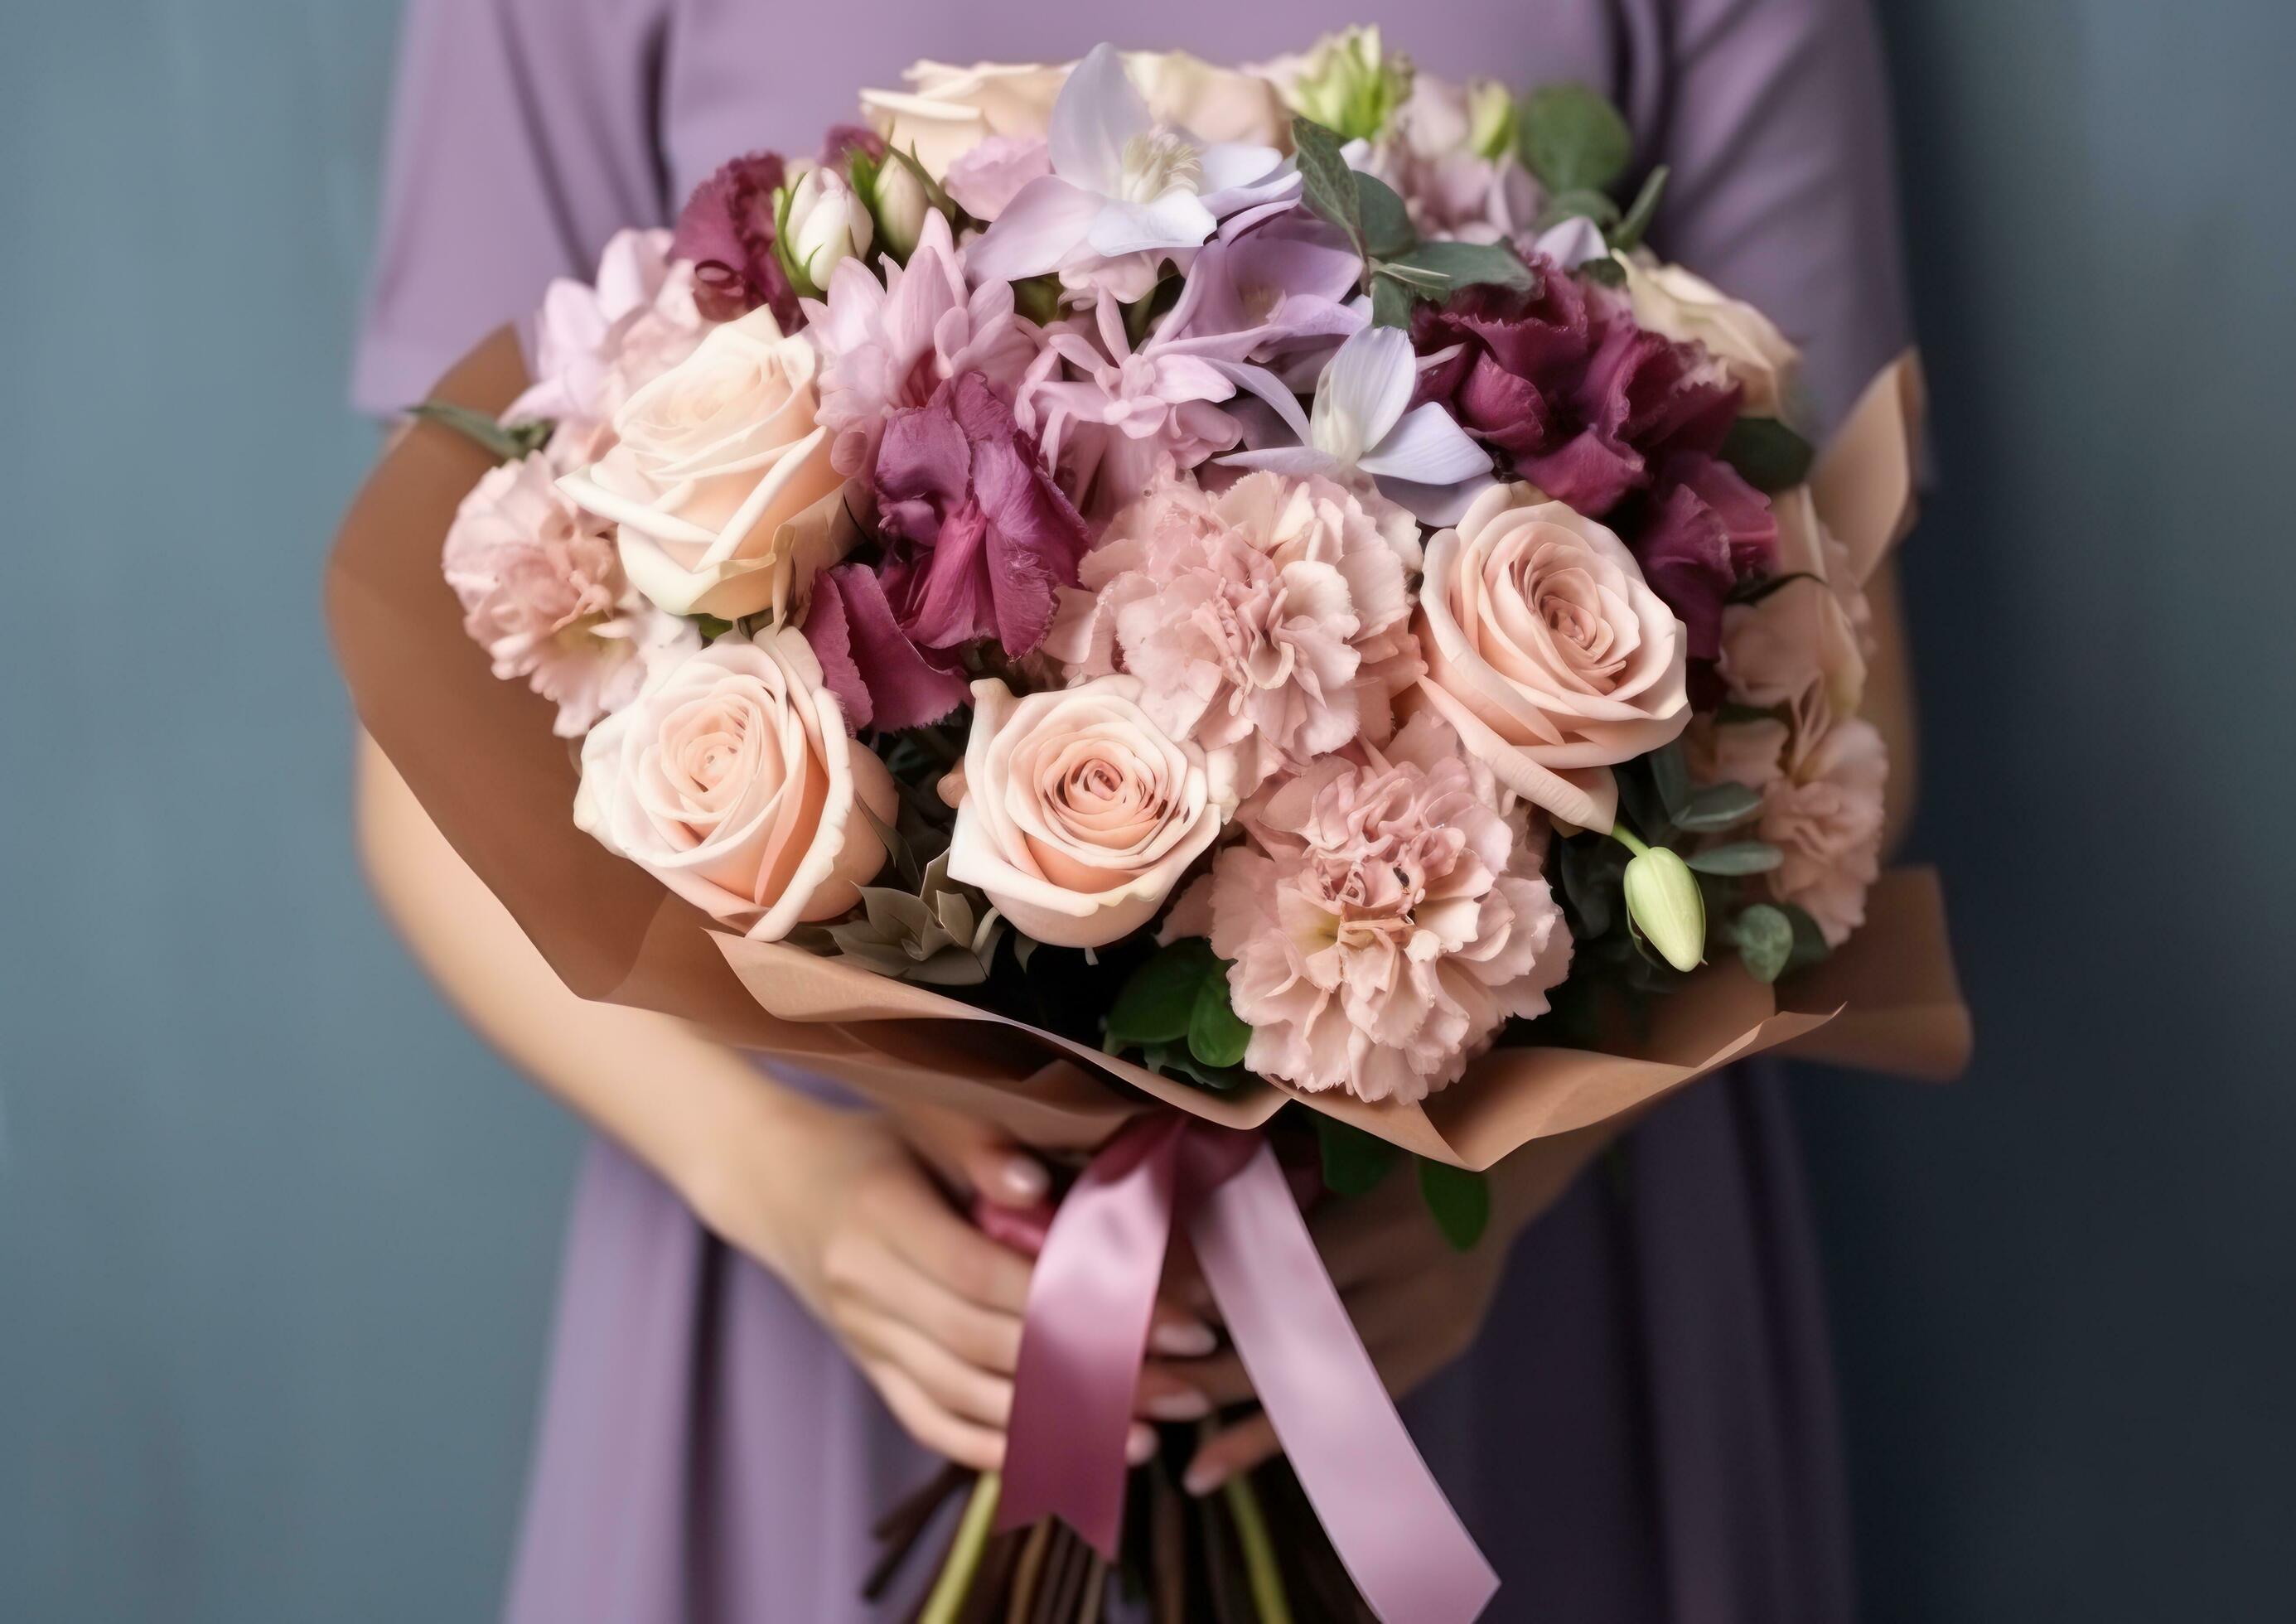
{"x": 276, "y": 1235}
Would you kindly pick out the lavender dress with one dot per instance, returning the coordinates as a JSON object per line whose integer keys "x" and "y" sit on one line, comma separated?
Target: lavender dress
{"x": 1646, "y": 1430}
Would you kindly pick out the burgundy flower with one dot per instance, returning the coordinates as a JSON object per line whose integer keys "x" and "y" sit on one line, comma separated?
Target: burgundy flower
{"x": 1587, "y": 404}
{"x": 844, "y": 139}
{"x": 727, "y": 228}
{"x": 1705, "y": 531}
{"x": 985, "y": 539}
{"x": 883, "y": 678}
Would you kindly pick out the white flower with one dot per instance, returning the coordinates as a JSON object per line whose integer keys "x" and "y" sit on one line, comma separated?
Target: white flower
{"x": 827, "y": 221}
{"x": 1363, "y": 421}
{"x": 1121, "y": 184}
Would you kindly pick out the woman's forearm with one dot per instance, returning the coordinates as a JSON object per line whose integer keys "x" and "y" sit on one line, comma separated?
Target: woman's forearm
{"x": 669, "y": 1094}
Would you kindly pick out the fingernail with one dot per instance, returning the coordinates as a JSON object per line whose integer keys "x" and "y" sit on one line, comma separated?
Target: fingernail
{"x": 1203, "y": 1477}
{"x": 1186, "y": 1404}
{"x": 1182, "y": 1339}
{"x": 1025, "y": 1179}
{"x": 1139, "y": 1445}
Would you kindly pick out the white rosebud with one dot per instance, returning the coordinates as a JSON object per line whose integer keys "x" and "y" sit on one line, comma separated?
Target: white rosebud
{"x": 901, "y": 206}
{"x": 826, "y": 222}
{"x": 1663, "y": 899}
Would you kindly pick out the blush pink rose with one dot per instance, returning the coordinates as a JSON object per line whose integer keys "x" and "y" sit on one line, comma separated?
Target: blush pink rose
{"x": 719, "y": 482}
{"x": 1547, "y": 651}
{"x": 1076, "y": 814}
{"x": 543, "y": 593}
{"x": 733, "y": 780}
{"x": 1270, "y": 621}
{"x": 1824, "y": 813}
{"x": 1387, "y": 920}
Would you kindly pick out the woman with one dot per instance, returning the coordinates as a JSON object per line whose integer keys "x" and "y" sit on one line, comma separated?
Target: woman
{"x": 768, "y": 1304}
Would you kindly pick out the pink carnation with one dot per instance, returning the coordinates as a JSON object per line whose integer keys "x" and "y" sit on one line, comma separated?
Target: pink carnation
{"x": 886, "y": 347}
{"x": 1270, "y": 622}
{"x": 1824, "y": 813}
{"x": 543, "y": 593}
{"x": 1387, "y": 923}
{"x": 595, "y": 345}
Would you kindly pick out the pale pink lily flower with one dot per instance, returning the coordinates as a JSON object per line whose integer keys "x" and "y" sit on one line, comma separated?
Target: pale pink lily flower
{"x": 1125, "y": 193}
{"x": 1363, "y": 423}
{"x": 595, "y": 344}
{"x": 887, "y": 345}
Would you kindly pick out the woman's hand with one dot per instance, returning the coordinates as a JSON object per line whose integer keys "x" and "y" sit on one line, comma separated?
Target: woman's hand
{"x": 1417, "y": 1301}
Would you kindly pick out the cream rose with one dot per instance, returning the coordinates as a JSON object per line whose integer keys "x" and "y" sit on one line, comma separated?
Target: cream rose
{"x": 1547, "y": 652}
{"x": 733, "y": 781}
{"x": 1687, "y": 307}
{"x": 1076, "y": 814}
{"x": 718, "y": 482}
{"x": 949, "y": 111}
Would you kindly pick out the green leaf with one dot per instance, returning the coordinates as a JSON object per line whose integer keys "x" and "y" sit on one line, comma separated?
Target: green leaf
{"x": 1602, "y": 273}
{"x": 1390, "y": 302}
{"x": 1738, "y": 858}
{"x": 1459, "y": 1201}
{"x": 1038, "y": 298}
{"x": 1671, "y": 775}
{"x": 1159, "y": 999}
{"x": 1215, "y": 1037}
{"x": 1324, "y": 175}
{"x": 711, "y": 628}
{"x": 1768, "y": 454}
{"x": 1629, "y": 232}
{"x": 1809, "y": 945}
{"x": 1354, "y": 1162}
{"x": 1718, "y": 806}
{"x": 1764, "y": 937}
{"x": 1573, "y": 139}
{"x": 1442, "y": 266}
{"x": 1595, "y": 206}
{"x": 1386, "y": 224}
{"x": 505, "y": 442}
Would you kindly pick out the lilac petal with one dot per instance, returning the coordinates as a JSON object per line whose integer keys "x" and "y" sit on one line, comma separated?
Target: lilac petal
{"x": 1573, "y": 243}
{"x": 1097, "y": 111}
{"x": 1231, "y": 165}
{"x": 1175, "y": 220}
{"x": 1045, "y": 220}
{"x": 1435, "y": 506}
{"x": 1285, "y": 459}
{"x": 1427, "y": 448}
{"x": 1365, "y": 388}
{"x": 1280, "y": 400}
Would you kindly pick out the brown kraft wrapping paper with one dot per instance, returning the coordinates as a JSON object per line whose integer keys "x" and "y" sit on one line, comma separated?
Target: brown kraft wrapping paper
{"x": 480, "y": 756}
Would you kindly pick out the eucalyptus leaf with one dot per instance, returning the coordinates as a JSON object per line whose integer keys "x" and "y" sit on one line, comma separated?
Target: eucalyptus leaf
{"x": 1464, "y": 264}
{"x": 1602, "y": 273}
{"x": 1671, "y": 775}
{"x": 1459, "y": 1201}
{"x": 1738, "y": 858}
{"x": 1173, "y": 1061}
{"x": 1765, "y": 938}
{"x": 1386, "y": 224}
{"x": 1354, "y": 1162}
{"x": 1630, "y": 231}
{"x": 1766, "y": 454}
{"x": 1572, "y": 138}
{"x": 1215, "y": 1037}
{"x": 505, "y": 442}
{"x": 1324, "y": 176}
{"x": 1809, "y": 944}
{"x": 1718, "y": 806}
{"x": 1157, "y": 1000}
{"x": 1593, "y": 877}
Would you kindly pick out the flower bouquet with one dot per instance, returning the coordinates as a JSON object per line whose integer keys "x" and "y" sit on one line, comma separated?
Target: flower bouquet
{"x": 1127, "y": 597}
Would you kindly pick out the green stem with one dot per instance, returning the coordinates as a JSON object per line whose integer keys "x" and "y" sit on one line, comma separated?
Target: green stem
{"x": 956, "y": 1576}
{"x": 1259, "y": 1566}
{"x": 1626, "y": 837}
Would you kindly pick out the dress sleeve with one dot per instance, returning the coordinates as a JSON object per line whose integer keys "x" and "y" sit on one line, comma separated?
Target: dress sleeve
{"x": 522, "y": 137}
{"x": 1774, "y": 116}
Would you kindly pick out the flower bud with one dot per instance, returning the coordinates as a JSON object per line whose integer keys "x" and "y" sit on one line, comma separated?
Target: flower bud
{"x": 1491, "y": 119}
{"x": 1664, "y": 900}
{"x": 900, "y": 205}
{"x": 824, "y": 221}
{"x": 1352, "y": 85}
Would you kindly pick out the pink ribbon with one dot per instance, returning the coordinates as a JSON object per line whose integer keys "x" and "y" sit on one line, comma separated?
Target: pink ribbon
{"x": 1086, "y": 1334}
